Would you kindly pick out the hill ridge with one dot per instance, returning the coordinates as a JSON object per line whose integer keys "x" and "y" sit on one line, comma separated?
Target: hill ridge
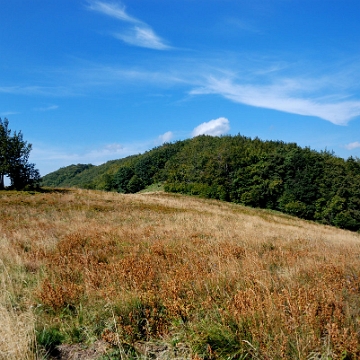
{"x": 267, "y": 174}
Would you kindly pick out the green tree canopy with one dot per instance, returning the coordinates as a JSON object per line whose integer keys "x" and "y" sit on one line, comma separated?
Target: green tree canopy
{"x": 14, "y": 159}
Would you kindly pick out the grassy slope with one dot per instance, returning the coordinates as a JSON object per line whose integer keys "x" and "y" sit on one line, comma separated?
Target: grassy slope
{"x": 207, "y": 279}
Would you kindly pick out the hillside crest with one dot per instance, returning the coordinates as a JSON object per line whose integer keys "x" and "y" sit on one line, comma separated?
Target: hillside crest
{"x": 267, "y": 174}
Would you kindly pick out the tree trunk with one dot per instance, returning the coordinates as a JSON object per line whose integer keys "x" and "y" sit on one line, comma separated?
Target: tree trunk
{"x": 2, "y": 187}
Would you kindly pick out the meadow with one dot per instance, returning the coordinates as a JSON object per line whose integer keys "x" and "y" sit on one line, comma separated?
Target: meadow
{"x": 102, "y": 275}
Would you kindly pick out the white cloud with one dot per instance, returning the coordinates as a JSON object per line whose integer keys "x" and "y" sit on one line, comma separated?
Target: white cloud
{"x": 112, "y": 149}
{"x": 140, "y": 34}
{"x": 353, "y": 145}
{"x": 47, "y": 108}
{"x": 166, "y": 137}
{"x": 143, "y": 37}
{"x": 38, "y": 90}
{"x": 68, "y": 156}
{"x": 113, "y": 10}
{"x": 215, "y": 127}
{"x": 286, "y": 95}
{"x": 48, "y": 159}
{"x": 243, "y": 25}
{"x": 7, "y": 113}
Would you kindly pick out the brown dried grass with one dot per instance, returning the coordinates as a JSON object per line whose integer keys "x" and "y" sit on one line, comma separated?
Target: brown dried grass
{"x": 16, "y": 323}
{"x": 156, "y": 266}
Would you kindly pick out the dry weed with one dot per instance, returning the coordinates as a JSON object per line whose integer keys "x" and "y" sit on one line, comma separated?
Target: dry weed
{"x": 17, "y": 337}
{"x": 225, "y": 279}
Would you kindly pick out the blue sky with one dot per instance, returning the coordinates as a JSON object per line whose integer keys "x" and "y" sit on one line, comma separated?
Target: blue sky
{"x": 91, "y": 81}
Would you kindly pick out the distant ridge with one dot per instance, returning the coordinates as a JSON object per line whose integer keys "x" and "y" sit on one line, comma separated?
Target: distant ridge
{"x": 267, "y": 174}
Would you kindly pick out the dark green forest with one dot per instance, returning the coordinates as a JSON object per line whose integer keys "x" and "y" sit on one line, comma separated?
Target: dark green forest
{"x": 266, "y": 174}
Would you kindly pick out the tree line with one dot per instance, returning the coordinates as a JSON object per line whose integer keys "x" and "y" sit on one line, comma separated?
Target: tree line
{"x": 266, "y": 174}
{"x": 14, "y": 159}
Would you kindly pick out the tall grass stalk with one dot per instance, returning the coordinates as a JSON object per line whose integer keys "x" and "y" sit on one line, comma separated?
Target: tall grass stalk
{"x": 17, "y": 336}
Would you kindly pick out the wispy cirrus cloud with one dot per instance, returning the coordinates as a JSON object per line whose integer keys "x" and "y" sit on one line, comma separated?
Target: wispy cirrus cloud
{"x": 49, "y": 158}
{"x": 138, "y": 34}
{"x": 114, "y": 150}
{"x": 328, "y": 97}
{"x": 289, "y": 95}
{"x": 47, "y": 108}
{"x": 8, "y": 113}
{"x": 34, "y": 90}
{"x": 112, "y": 9}
{"x": 143, "y": 37}
{"x": 242, "y": 25}
{"x": 326, "y": 94}
{"x": 214, "y": 127}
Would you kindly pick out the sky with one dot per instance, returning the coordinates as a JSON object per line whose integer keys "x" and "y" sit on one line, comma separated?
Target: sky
{"x": 87, "y": 81}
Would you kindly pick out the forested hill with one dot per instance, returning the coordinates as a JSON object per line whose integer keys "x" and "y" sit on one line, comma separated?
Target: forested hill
{"x": 268, "y": 174}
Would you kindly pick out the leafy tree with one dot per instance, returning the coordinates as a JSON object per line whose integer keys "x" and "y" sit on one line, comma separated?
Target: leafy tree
{"x": 122, "y": 179}
{"x": 14, "y": 159}
{"x": 135, "y": 184}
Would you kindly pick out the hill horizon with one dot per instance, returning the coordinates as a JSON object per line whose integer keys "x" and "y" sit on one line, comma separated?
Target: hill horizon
{"x": 266, "y": 174}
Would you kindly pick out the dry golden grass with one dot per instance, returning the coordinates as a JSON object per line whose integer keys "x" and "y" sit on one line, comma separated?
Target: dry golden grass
{"x": 212, "y": 279}
{"x": 16, "y": 323}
